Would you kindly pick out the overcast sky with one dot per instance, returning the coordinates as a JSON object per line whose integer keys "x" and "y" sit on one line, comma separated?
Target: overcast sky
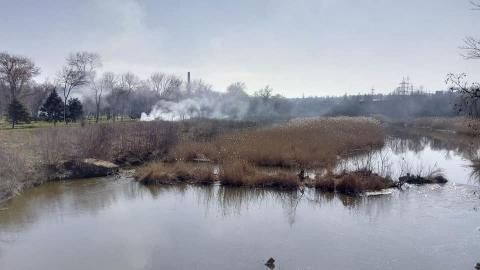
{"x": 311, "y": 47}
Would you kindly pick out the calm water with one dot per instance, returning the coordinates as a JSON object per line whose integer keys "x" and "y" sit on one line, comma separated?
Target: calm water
{"x": 117, "y": 224}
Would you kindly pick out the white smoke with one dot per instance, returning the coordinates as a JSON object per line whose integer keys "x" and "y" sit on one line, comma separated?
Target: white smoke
{"x": 217, "y": 107}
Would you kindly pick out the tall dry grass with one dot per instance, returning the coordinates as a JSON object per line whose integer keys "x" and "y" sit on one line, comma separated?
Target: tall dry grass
{"x": 171, "y": 173}
{"x": 353, "y": 183}
{"x": 12, "y": 173}
{"x": 242, "y": 173}
{"x": 106, "y": 141}
{"x": 302, "y": 143}
{"x": 27, "y": 157}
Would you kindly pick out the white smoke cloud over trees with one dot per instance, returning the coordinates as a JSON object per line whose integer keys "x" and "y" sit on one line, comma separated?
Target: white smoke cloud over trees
{"x": 201, "y": 101}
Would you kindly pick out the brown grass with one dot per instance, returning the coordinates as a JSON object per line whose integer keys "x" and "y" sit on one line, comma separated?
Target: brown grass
{"x": 106, "y": 141}
{"x": 299, "y": 143}
{"x": 325, "y": 183}
{"x": 353, "y": 183}
{"x": 241, "y": 173}
{"x": 180, "y": 172}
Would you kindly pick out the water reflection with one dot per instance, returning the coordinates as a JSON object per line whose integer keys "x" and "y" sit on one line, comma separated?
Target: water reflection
{"x": 417, "y": 140}
{"x": 146, "y": 226}
{"x": 422, "y": 154}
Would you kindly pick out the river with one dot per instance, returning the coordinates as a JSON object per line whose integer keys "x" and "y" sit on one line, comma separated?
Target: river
{"x": 115, "y": 223}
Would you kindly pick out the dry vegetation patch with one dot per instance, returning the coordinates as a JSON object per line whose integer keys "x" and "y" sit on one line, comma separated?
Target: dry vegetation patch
{"x": 353, "y": 183}
{"x": 298, "y": 143}
{"x": 171, "y": 173}
{"x": 242, "y": 173}
{"x": 106, "y": 141}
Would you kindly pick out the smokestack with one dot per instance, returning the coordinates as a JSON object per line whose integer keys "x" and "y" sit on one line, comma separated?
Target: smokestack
{"x": 188, "y": 81}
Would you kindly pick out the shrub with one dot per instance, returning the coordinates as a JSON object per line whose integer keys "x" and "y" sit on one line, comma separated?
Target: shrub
{"x": 145, "y": 140}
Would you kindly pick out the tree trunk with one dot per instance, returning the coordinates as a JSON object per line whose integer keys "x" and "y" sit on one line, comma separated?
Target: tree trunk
{"x": 97, "y": 114}
{"x": 65, "y": 111}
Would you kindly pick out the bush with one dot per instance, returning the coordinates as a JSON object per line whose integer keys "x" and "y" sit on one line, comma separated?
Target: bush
{"x": 145, "y": 140}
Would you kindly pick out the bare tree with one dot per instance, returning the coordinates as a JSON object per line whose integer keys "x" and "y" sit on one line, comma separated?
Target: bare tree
{"x": 265, "y": 93}
{"x": 469, "y": 94}
{"x": 237, "y": 89}
{"x": 106, "y": 83}
{"x": 166, "y": 86}
{"x": 35, "y": 95}
{"x": 79, "y": 71}
{"x": 471, "y": 47}
{"x": 15, "y": 72}
{"x": 159, "y": 82}
{"x": 173, "y": 88}
{"x": 128, "y": 83}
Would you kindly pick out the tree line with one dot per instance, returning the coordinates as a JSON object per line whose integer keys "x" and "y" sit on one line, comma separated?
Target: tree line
{"x": 79, "y": 92}
{"x": 18, "y": 89}
{"x": 117, "y": 96}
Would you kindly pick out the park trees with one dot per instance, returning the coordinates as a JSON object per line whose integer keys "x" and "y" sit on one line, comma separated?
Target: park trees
{"x": 75, "y": 110}
{"x": 15, "y": 73}
{"x": 17, "y": 113}
{"x": 78, "y": 71}
{"x": 53, "y": 108}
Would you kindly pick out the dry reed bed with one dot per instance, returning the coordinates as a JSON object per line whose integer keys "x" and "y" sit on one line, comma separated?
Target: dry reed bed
{"x": 242, "y": 173}
{"x": 299, "y": 143}
{"x": 173, "y": 173}
{"x": 353, "y": 183}
{"x": 234, "y": 173}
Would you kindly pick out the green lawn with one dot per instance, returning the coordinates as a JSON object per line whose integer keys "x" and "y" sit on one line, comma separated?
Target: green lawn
{"x": 4, "y": 125}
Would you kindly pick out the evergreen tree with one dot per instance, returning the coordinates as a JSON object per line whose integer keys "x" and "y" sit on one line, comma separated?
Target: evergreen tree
{"x": 74, "y": 109}
{"x": 52, "y": 109}
{"x": 16, "y": 113}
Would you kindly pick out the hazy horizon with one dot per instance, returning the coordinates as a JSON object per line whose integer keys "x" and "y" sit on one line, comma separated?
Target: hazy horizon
{"x": 308, "y": 47}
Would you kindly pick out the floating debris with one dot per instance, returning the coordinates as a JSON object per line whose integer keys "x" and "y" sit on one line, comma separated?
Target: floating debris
{"x": 270, "y": 263}
{"x": 378, "y": 193}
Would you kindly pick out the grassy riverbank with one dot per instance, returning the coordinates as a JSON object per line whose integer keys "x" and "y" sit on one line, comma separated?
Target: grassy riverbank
{"x": 240, "y": 153}
{"x": 27, "y": 156}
